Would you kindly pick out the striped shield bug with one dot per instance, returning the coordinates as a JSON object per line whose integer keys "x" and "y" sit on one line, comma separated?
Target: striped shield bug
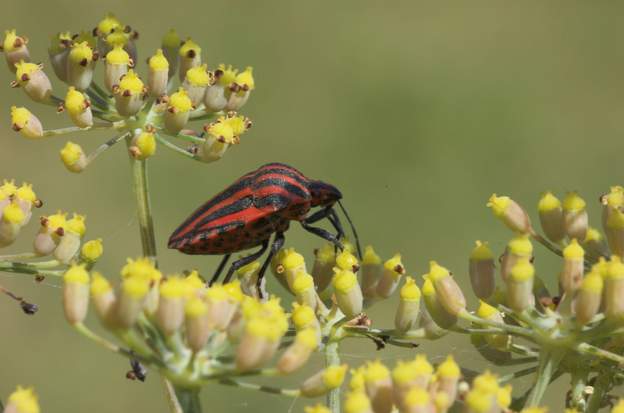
{"x": 259, "y": 204}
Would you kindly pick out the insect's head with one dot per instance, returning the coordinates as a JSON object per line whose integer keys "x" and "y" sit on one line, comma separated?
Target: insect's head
{"x": 323, "y": 194}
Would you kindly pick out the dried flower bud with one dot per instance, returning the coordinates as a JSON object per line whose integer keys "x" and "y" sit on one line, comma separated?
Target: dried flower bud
{"x": 195, "y": 83}
{"x": 378, "y": 385}
{"x": 391, "y": 276}
{"x": 348, "y": 293}
{"x": 575, "y": 216}
{"x": 15, "y": 49}
{"x": 324, "y": 381}
{"x": 129, "y": 94}
{"x": 371, "y": 272}
{"x": 73, "y": 157}
{"x": 130, "y": 304}
{"x": 357, "y": 402}
{"x": 197, "y": 324}
{"x": 24, "y": 122}
{"x": 518, "y": 248}
{"x": 303, "y": 289}
{"x": 22, "y": 401}
{"x": 158, "y": 74}
{"x": 324, "y": 262}
{"x": 298, "y": 353}
{"x": 406, "y": 316}
{"x": 481, "y": 270}
{"x": 614, "y": 289}
{"x": 551, "y": 217}
{"x": 512, "y": 214}
{"x": 34, "y": 81}
{"x": 170, "y": 46}
{"x": 80, "y": 65}
{"x": 103, "y": 298}
{"x": 573, "y": 265}
{"x": 448, "y": 293}
{"x": 520, "y": 286}
{"x": 588, "y": 298}
{"x": 190, "y": 56}
{"x": 178, "y": 111}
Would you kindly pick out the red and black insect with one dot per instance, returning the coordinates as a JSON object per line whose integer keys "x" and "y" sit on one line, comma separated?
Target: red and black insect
{"x": 257, "y": 205}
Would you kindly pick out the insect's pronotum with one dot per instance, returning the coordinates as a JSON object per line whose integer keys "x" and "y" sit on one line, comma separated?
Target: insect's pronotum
{"x": 257, "y": 205}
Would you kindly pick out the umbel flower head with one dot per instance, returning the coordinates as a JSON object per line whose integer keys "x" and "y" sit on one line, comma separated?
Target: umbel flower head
{"x": 131, "y": 96}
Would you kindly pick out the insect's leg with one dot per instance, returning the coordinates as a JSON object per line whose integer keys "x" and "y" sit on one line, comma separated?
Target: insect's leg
{"x": 246, "y": 260}
{"x": 278, "y": 243}
{"x": 333, "y": 218}
{"x": 220, "y": 268}
{"x": 331, "y": 215}
{"x": 323, "y": 234}
{"x": 318, "y": 215}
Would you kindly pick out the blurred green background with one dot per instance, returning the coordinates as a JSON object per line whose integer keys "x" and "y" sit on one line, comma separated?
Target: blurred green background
{"x": 416, "y": 110}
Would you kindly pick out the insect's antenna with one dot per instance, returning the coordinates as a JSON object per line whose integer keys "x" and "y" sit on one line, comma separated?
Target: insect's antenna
{"x": 355, "y": 235}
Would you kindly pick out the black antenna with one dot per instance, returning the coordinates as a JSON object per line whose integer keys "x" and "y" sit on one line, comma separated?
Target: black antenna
{"x": 355, "y": 235}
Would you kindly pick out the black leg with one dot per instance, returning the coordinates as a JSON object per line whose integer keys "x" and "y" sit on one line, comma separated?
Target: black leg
{"x": 278, "y": 243}
{"x": 220, "y": 268}
{"x": 246, "y": 260}
{"x": 330, "y": 214}
{"x": 326, "y": 235}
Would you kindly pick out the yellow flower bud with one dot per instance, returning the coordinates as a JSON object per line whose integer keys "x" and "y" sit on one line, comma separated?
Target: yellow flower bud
{"x": 178, "y": 111}
{"x": 575, "y": 219}
{"x": 324, "y": 381}
{"x": 240, "y": 89}
{"x": 24, "y": 122}
{"x": 371, "y": 272}
{"x": 196, "y": 81}
{"x": 619, "y": 407}
{"x": 14, "y": 48}
{"x": 481, "y": 270}
{"x": 319, "y": 408}
{"x": 76, "y": 294}
{"x": 438, "y": 313}
{"x": 190, "y": 56}
{"x": 22, "y": 401}
{"x": 518, "y": 248}
{"x": 158, "y": 74}
{"x": 298, "y": 353}
{"x": 347, "y": 261}
{"x": 406, "y": 316}
{"x": 614, "y": 289}
{"x": 143, "y": 145}
{"x": 378, "y": 384}
{"x": 520, "y": 286}
{"x": 13, "y": 219}
{"x": 198, "y": 327}
{"x": 103, "y": 297}
{"x": 448, "y": 374}
{"x": 129, "y": 94}
{"x": 116, "y": 66}
{"x": 391, "y": 276}
{"x": 348, "y": 293}
{"x": 551, "y": 217}
{"x": 322, "y": 269}
{"x": 58, "y": 52}
{"x": 573, "y": 266}
{"x": 34, "y": 81}
{"x": 357, "y": 402}
{"x": 170, "y": 312}
{"x": 73, "y": 157}
{"x": 303, "y": 289}
{"x": 448, "y": 293}
{"x": 595, "y": 246}
{"x": 511, "y": 213}
{"x": 418, "y": 400}
{"x": 588, "y": 298}
{"x": 130, "y": 304}
{"x": 487, "y": 312}
{"x": 80, "y": 65}
{"x": 78, "y": 108}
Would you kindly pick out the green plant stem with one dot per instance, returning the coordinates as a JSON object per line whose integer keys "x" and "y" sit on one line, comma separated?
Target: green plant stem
{"x": 601, "y": 387}
{"x": 25, "y": 268}
{"x": 333, "y": 359}
{"x": 175, "y": 148}
{"x": 187, "y": 400}
{"x": 549, "y": 361}
{"x": 260, "y": 387}
{"x": 172, "y": 400}
{"x": 144, "y": 210}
